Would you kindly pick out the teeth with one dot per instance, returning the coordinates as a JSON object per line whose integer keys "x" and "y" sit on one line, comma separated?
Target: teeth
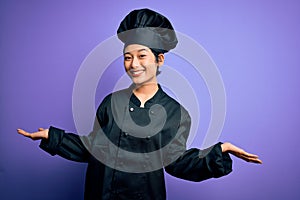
{"x": 136, "y": 72}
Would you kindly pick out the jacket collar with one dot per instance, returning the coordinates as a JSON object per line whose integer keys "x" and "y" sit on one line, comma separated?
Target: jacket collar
{"x": 154, "y": 100}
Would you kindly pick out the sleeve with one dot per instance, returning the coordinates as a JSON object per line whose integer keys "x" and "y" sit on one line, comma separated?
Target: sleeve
{"x": 195, "y": 164}
{"x": 198, "y": 165}
{"x": 66, "y": 145}
{"x": 72, "y": 146}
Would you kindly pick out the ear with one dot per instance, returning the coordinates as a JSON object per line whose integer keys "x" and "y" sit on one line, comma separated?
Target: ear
{"x": 161, "y": 59}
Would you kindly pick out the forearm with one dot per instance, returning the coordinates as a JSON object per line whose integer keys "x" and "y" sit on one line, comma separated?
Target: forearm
{"x": 198, "y": 165}
{"x": 66, "y": 145}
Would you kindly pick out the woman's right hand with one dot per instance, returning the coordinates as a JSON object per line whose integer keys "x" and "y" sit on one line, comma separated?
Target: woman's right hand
{"x": 40, "y": 134}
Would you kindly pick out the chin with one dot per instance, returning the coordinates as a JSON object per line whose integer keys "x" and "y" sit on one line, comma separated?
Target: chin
{"x": 137, "y": 82}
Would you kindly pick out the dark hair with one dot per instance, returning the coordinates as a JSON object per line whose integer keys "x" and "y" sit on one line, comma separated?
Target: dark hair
{"x": 156, "y": 52}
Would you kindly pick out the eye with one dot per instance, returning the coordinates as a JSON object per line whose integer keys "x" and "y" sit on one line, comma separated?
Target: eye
{"x": 127, "y": 58}
{"x": 142, "y": 56}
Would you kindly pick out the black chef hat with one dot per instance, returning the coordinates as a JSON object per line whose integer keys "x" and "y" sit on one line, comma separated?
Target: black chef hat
{"x": 148, "y": 28}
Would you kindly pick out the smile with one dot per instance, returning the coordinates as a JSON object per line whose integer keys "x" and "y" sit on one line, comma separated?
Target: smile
{"x": 136, "y": 73}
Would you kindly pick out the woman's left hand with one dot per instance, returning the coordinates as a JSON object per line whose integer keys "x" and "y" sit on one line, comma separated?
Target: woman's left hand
{"x": 240, "y": 153}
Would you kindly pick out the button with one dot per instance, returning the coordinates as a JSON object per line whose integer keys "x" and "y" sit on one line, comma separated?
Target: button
{"x": 131, "y": 109}
{"x": 148, "y": 137}
{"x": 125, "y": 134}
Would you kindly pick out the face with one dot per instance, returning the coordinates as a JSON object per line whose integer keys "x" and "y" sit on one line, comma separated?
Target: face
{"x": 141, "y": 65}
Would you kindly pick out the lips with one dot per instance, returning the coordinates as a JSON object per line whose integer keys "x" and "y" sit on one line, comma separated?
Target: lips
{"x": 136, "y": 73}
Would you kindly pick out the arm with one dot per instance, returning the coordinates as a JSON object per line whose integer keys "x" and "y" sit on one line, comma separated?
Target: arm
{"x": 68, "y": 145}
{"x": 198, "y": 165}
{"x": 195, "y": 164}
{"x": 214, "y": 162}
{"x": 56, "y": 141}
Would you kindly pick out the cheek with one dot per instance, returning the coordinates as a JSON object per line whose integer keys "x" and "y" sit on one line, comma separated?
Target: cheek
{"x": 126, "y": 66}
{"x": 152, "y": 68}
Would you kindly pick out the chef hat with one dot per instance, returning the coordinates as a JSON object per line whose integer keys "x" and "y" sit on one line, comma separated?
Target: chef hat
{"x": 148, "y": 28}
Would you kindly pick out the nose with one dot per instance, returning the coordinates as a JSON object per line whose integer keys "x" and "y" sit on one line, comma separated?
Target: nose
{"x": 135, "y": 62}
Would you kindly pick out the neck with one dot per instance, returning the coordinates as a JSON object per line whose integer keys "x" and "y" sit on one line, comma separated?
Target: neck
{"x": 145, "y": 92}
{"x": 146, "y": 89}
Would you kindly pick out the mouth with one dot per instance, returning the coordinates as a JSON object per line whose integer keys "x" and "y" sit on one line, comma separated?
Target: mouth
{"x": 136, "y": 73}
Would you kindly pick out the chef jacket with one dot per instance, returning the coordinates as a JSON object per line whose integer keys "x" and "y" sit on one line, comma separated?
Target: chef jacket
{"x": 131, "y": 146}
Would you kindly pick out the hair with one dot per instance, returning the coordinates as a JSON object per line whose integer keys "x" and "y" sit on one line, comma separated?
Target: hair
{"x": 156, "y": 52}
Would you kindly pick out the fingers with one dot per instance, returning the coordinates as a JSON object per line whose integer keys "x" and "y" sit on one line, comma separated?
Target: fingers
{"x": 240, "y": 153}
{"x": 250, "y": 155}
{"x": 254, "y": 160}
{"x": 40, "y": 134}
{"x": 258, "y": 161}
{"x": 22, "y": 132}
{"x": 250, "y": 158}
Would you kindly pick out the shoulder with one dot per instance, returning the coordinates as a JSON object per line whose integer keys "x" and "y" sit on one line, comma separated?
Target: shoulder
{"x": 173, "y": 105}
{"x": 120, "y": 95}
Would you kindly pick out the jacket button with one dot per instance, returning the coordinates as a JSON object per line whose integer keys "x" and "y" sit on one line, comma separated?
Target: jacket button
{"x": 131, "y": 109}
{"x": 125, "y": 134}
{"x": 148, "y": 137}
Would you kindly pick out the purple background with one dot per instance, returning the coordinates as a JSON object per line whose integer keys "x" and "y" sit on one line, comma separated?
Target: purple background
{"x": 254, "y": 43}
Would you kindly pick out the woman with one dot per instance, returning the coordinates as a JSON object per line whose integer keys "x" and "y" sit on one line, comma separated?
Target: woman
{"x": 139, "y": 131}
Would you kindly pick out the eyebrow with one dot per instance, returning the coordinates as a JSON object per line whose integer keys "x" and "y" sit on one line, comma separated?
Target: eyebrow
{"x": 128, "y": 52}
